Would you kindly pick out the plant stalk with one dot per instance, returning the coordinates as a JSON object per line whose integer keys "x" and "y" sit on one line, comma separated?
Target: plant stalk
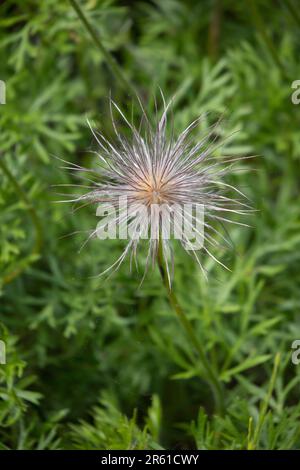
{"x": 211, "y": 375}
{"x": 113, "y": 64}
{"x": 261, "y": 28}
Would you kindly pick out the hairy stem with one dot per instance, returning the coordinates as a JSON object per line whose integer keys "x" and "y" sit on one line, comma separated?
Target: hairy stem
{"x": 261, "y": 28}
{"x": 293, "y": 11}
{"x": 116, "y": 69}
{"x": 211, "y": 376}
{"x": 214, "y": 31}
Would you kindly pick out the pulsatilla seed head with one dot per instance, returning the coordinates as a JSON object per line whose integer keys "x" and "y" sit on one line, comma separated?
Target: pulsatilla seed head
{"x": 168, "y": 174}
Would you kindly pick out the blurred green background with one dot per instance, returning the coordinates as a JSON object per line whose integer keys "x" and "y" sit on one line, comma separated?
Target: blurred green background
{"x": 94, "y": 364}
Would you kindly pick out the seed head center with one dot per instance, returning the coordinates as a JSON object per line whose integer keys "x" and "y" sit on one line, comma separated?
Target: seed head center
{"x": 155, "y": 197}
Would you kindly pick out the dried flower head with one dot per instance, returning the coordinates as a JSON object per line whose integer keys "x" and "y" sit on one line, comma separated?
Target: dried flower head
{"x": 152, "y": 186}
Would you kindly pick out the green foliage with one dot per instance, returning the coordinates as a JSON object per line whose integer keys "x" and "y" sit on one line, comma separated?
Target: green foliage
{"x": 104, "y": 364}
{"x": 111, "y": 430}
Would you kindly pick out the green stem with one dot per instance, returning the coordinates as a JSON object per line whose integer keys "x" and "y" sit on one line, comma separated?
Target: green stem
{"x": 214, "y": 31}
{"x": 293, "y": 11}
{"x": 116, "y": 69}
{"x": 36, "y": 222}
{"x": 261, "y": 28}
{"x": 211, "y": 376}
